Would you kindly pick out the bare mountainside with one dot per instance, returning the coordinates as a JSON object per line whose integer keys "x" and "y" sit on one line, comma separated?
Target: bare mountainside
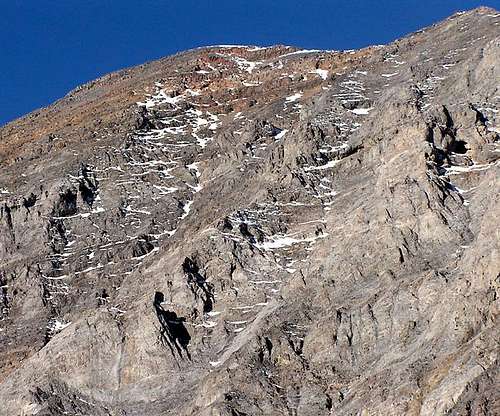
{"x": 260, "y": 231}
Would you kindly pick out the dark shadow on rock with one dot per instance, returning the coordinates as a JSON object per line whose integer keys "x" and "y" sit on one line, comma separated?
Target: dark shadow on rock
{"x": 88, "y": 184}
{"x": 173, "y": 333}
{"x": 66, "y": 205}
{"x": 198, "y": 283}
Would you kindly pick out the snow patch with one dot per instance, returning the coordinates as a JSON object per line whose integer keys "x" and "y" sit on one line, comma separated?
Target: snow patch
{"x": 286, "y": 241}
{"x": 281, "y": 134}
{"x": 323, "y": 73}
{"x": 294, "y": 97}
{"x": 186, "y": 208}
{"x": 361, "y": 111}
{"x": 328, "y": 165}
{"x": 390, "y": 75}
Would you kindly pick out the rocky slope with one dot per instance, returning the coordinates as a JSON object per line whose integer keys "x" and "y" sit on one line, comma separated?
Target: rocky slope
{"x": 260, "y": 231}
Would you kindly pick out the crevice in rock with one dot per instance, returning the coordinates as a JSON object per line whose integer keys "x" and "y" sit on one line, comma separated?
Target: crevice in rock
{"x": 67, "y": 203}
{"x": 30, "y": 201}
{"x": 6, "y": 217}
{"x": 88, "y": 185}
{"x": 4, "y": 297}
{"x": 143, "y": 246}
{"x": 198, "y": 285}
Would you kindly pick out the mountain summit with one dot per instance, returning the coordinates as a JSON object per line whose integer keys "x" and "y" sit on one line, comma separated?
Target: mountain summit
{"x": 246, "y": 231}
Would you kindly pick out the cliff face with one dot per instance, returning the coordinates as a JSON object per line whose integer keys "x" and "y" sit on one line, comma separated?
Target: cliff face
{"x": 260, "y": 231}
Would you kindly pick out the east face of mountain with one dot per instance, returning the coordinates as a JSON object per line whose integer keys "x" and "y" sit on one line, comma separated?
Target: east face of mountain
{"x": 259, "y": 231}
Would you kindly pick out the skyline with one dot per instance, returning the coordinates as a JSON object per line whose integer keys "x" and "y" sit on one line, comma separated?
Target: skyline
{"x": 53, "y": 48}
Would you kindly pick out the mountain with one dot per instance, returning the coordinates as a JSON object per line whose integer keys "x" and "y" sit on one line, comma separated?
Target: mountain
{"x": 239, "y": 230}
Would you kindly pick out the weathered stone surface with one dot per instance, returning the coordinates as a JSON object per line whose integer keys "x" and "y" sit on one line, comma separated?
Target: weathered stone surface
{"x": 260, "y": 231}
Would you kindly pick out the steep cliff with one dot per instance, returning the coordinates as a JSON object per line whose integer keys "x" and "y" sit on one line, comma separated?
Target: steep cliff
{"x": 260, "y": 231}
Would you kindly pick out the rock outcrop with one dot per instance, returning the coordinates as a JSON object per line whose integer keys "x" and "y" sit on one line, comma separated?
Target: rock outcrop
{"x": 260, "y": 231}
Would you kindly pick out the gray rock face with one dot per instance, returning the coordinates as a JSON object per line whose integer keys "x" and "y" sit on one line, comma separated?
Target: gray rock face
{"x": 260, "y": 231}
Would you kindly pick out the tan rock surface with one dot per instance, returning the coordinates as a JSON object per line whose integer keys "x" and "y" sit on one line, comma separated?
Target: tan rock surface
{"x": 260, "y": 231}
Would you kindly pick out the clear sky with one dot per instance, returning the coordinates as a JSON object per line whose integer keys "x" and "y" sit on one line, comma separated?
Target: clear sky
{"x": 48, "y": 47}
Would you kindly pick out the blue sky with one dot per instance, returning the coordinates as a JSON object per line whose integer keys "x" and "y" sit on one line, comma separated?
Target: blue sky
{"x": 48, "y": 47}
